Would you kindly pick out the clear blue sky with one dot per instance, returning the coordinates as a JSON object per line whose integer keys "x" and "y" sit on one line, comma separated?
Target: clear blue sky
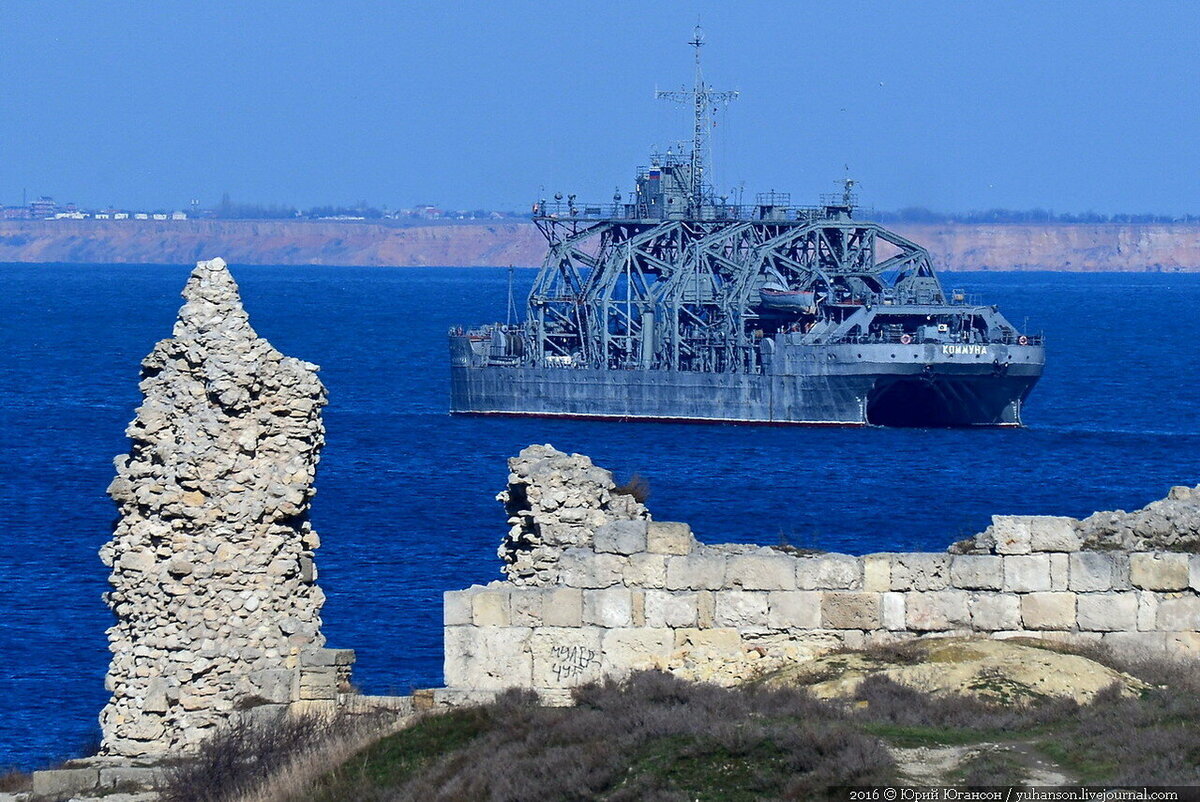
{"x": 1073, "y": 106}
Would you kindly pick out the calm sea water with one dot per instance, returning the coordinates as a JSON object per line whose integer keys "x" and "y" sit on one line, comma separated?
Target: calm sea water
{"x": 406, "y": 510}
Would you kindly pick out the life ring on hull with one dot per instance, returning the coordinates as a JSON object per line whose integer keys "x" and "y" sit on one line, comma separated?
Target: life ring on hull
{"x": 1022, "y": 340}
{"x": 905, "y": 339}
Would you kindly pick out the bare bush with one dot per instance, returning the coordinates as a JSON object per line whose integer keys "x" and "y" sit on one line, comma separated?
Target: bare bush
{"x": 655, "y": 736}
{"x": 15, "y": 781}
{"x": 637, "y": 487}
{"x": 264, "y": 758}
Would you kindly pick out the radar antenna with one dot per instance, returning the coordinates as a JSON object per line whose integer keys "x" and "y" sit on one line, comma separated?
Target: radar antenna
{"x": 703, "y": 98}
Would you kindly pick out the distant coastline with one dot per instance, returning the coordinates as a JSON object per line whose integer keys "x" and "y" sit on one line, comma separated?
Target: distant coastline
{"x": 1074, "y": 247}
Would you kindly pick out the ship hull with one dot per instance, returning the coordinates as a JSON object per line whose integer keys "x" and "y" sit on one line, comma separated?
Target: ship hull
{"x": 861, "y": 395}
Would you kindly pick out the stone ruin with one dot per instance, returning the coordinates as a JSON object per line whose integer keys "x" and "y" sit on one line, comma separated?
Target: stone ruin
{"x": 214, "y": 584}
{"x": 554, "y": 502}
{"x": 595, "y": 587}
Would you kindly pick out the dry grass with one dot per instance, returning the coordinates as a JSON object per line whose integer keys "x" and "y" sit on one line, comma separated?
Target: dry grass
{"x": 651, "y": 736}
{"x": 273, "y": 758}
{"x": 296, "y": 777}
{"x": 14, "y": 781}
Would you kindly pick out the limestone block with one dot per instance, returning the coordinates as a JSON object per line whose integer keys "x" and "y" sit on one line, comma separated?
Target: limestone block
{"x": 762, "y": 571}
{"x": 317, "y": 683}
{"x": 1136, "y": 645}
{"x": 1182, "y": 644}
{"x": 1122, "y": 574}
{"x": 1159, "y": 570}
{"x": 525, "y": 606}
{"x": 1147, "y": 613}
{"x": 992, "y": 612}
{"x": 1052, "y": 533}
{"x": 1091, "y": 571}
{"x": 848, "y": 610}
{"x": 626, "y": 650}
{"x": 456, "y": 697}
{"x": 1059, "y": 570}
{"x": 667, "y": 609}
{"x": 456, "y": 607}
{"x": 1048, "y": 610}
{"x": 646, "y": 571}
{"x": 131, "y": 776}
{"x": 877, "y": 573}
{"x": 794, "y": 609}
{"x": 1194, "y": 572}
{"x": 487, "y": 658}
{"x": 723, "y": 641}
{"x": 584, "y": 568}
{"x": 59, "y": 783}
{"x": 489, "y": 608}
{"x": 610, "y": 607}
{"x": 140, "y": 560}
{"x": 555, "y": 697}
{"x": 740, "y": 608}
{"x": 1178, "y": 613}
{"x": 156, "y": 694}
{"x": 937, "y": 610}
{"x": 273, "y": 684}
{"x": 637, "y": 597}
{"x": 977, "y": 572}
{"x": 829, "y": 572}
{"x": 1012, "y": 534}
{"x": 893, "y": 611}
{"x": 696, "y": 572}
{"x": 920, "y": 571}
{"x": 668, "y": 537}
{"x": 565, "y": 657}
{"x": 706, "y": 608}
{"x": 1027, "y": 573}
{"x": 1108, "y": 611}
{"x": 620, "y": 537}
{"x": 562, "y": 607}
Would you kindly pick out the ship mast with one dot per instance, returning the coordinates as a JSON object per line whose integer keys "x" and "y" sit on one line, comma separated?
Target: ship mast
{"x": 703, "y": 98}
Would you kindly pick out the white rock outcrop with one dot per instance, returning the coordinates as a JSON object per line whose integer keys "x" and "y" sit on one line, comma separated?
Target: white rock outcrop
{"x": 212, "y": 557}
{"x": 556, "y": 501}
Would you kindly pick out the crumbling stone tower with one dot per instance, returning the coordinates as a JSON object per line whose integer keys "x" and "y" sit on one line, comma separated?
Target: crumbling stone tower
{"x": 212, "y": 558}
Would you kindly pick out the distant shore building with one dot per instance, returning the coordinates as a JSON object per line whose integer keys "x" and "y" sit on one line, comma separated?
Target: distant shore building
{"x": 43, "y": 208}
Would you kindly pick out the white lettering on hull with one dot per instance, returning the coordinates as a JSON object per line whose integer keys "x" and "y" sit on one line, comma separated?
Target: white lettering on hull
{"x": 971, "y": 350}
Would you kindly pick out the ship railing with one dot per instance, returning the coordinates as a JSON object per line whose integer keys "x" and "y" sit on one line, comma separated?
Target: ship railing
{"x": 898, "y": 338}
{"x": 580, "y": 210}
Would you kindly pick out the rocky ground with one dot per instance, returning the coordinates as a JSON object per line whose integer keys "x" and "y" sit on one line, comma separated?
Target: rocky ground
{"x": 1168, "y": 524}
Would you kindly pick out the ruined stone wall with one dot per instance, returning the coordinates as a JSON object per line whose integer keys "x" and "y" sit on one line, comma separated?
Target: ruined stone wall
{"x": 214, "y": 585}
{"x": 637, "y": 593}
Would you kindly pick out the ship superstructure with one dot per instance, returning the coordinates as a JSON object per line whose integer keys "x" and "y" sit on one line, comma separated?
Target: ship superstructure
{"x": 674, "y": 303}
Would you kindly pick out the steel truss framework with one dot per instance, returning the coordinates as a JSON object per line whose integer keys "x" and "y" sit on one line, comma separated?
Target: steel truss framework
{"x": 684, "y": 294}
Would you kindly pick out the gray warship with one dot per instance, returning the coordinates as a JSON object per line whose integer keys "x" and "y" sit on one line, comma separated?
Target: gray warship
{"x": 674, "y": 304}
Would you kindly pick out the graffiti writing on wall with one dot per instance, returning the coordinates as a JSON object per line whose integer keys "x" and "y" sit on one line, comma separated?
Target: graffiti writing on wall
{"x": 570, "y": 662}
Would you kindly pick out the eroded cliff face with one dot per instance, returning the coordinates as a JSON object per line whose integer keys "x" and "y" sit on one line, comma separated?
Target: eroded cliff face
{"x": 1150, "y": 247}
{"x": 212, "y": 558}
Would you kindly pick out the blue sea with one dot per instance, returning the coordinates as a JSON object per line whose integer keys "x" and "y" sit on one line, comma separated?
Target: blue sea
{"x": 406, "y": 505}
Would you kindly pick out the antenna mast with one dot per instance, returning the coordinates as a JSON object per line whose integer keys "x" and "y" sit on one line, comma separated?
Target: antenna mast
{"x": 702, "y": 97}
